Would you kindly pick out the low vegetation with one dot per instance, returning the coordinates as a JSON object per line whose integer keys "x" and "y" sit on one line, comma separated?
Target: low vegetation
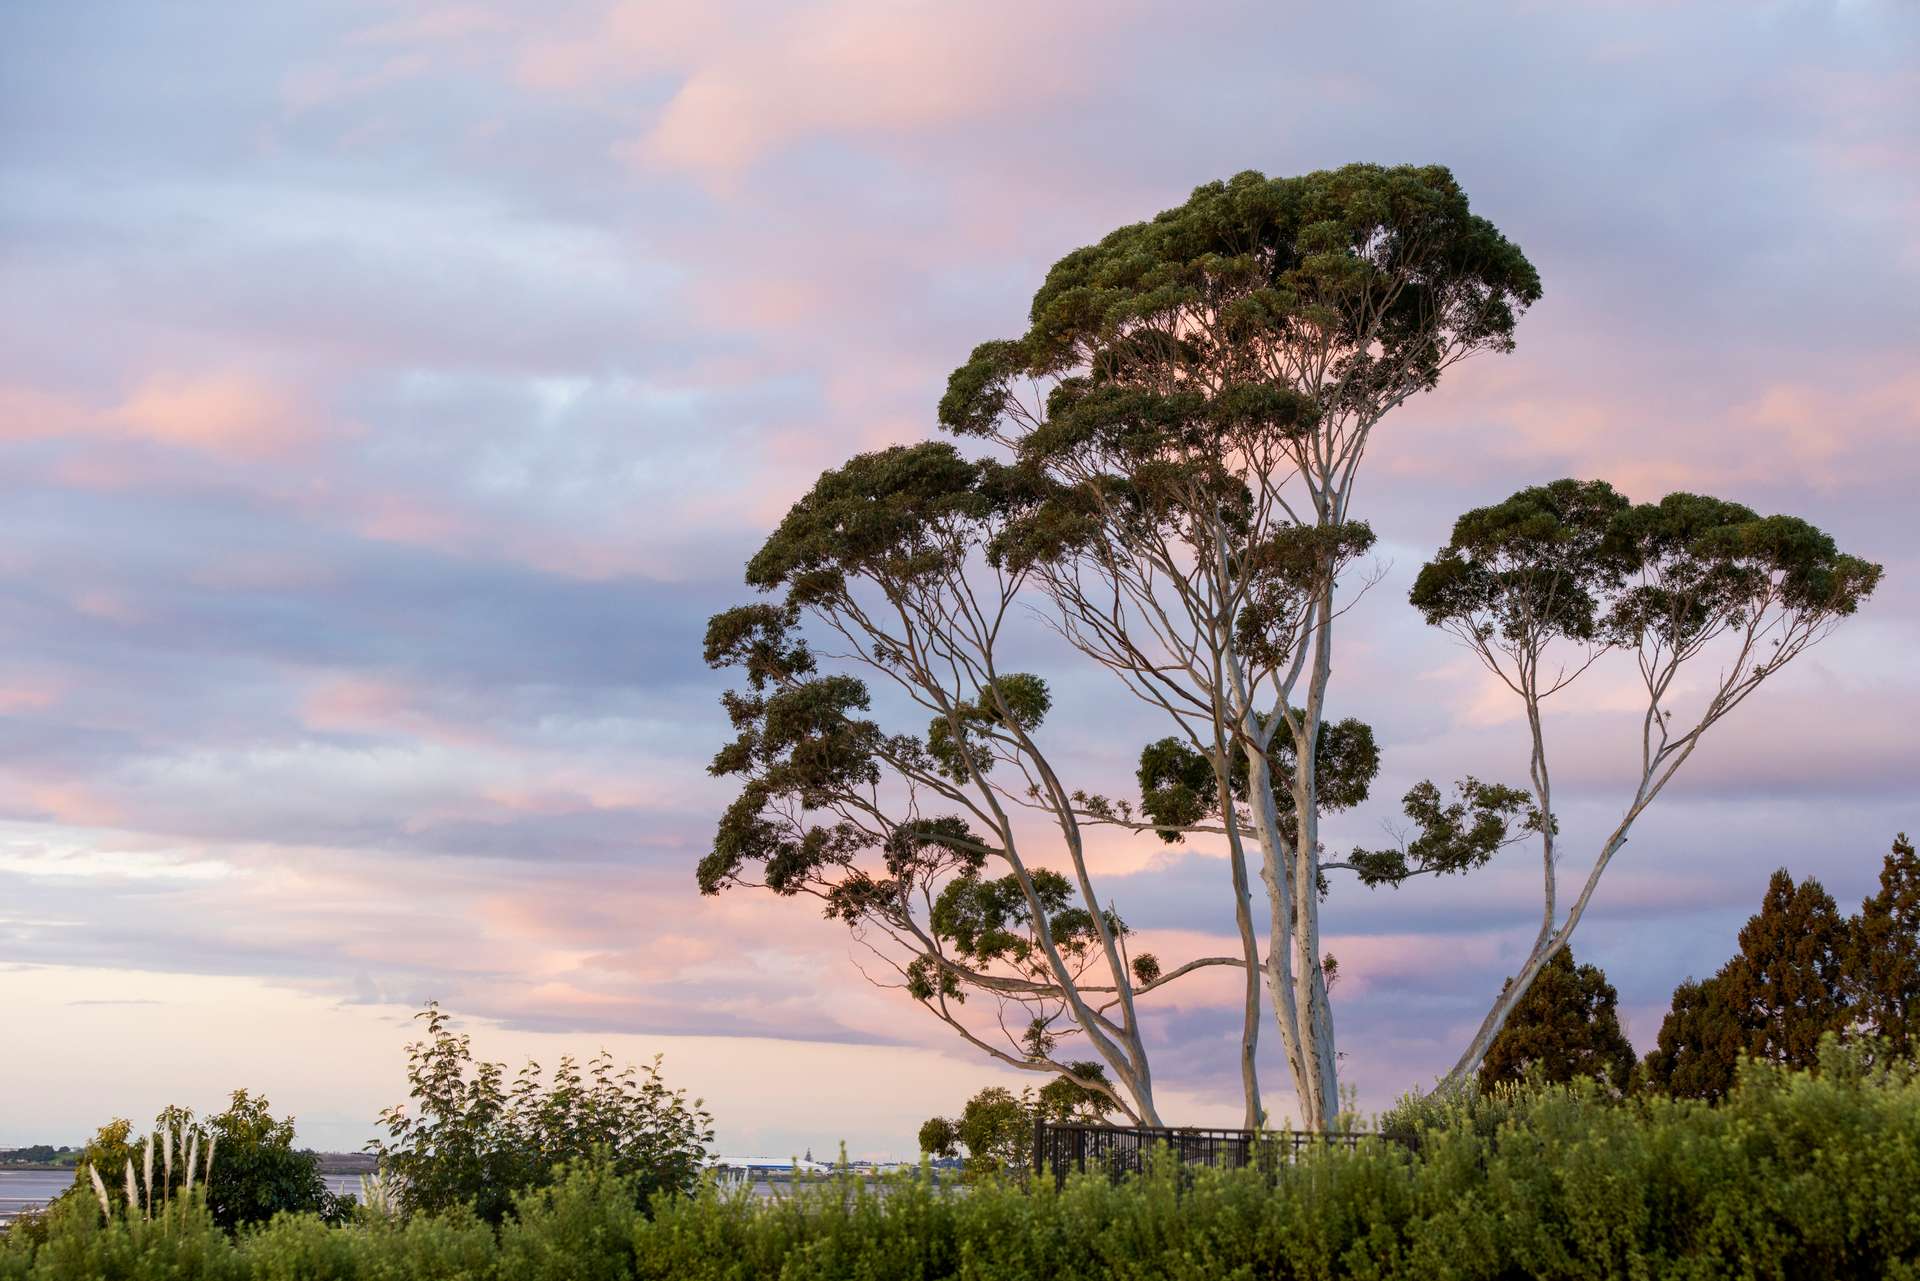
{"x": 472, "y": 1138}
{"x": 261, "y": 1172}
{"x": 1800, "y": 1174}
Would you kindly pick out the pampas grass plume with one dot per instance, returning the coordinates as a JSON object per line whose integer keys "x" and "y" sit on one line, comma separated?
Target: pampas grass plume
{"x": 100, "y": 1191}
{"x": 193, "y": 1154}
{"x": 146, "y": 1166}
{"x": 133, "y": 1190}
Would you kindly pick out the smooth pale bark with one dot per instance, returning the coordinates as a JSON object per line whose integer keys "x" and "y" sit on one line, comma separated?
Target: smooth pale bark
{"x": 1255, "y": 1115}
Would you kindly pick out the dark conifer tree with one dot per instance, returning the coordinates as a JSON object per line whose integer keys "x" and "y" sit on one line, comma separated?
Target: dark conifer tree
{"x": 1701, "y": 1040}
{"x": 1785, "y": 990}
{"x": 1883, "y": 961}
{"x": 1566, "y": 1026}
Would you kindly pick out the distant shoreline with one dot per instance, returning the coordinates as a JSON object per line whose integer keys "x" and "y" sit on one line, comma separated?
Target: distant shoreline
{"x": 330, "y": 1163}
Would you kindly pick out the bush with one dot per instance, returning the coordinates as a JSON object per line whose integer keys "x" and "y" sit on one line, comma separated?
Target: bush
{"x": 475, "y": 1140}
{"x": 1797, "y": 1174}
{"x": 258, "y": 1173}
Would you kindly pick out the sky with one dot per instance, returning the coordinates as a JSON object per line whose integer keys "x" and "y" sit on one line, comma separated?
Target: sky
{"x": 389, "y": 391}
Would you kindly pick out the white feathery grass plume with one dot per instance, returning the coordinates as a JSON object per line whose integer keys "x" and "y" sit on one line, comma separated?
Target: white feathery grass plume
{"x": 133, "y": 1190}
{"x": 147, "y": 1175}
{"x": 193, "y": 1154}
{"x": 100, "y": 1191}
{"x": 166, "y": 1155}
{"x": 206, "y": 1175}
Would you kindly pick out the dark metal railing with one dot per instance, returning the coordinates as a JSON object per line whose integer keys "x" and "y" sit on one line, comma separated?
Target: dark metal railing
{"x": 1119, "y": 1150}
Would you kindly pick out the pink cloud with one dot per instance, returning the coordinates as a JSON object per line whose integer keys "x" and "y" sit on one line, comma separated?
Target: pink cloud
{"x": 27, "y": 696}
{"x": 753, "y": 79}
{"x": 231, "y": 414}
{"x": 30, "y": 413}
{"x": 857, "y": 67}
{"x": 1625, "y": 415}
{"x": 228, "y": 414}
{"x": 67, "y": 802}
{"x": 369, "y": 705}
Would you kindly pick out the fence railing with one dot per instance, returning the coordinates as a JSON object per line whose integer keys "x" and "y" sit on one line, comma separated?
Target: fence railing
{"x": 1122, "y": 1149}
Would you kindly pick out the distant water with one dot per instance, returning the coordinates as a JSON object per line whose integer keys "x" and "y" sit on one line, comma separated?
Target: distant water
{"x": 31, "y": 1189}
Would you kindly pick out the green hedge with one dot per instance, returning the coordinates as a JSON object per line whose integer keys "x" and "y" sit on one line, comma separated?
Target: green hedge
{"x": 1796, "y": 1175}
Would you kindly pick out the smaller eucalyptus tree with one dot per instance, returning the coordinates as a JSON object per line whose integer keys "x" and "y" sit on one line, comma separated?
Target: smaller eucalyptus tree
{"x": 1708, "y": 598}
{"x": 921, "y": 838}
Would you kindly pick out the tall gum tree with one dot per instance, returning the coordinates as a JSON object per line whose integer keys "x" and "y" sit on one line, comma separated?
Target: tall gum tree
{"x": 1707, "y": 599}
{"x": 1193, "y": 398}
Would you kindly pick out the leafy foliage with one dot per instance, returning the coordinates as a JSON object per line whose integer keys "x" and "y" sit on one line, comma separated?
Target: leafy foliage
{"x": 1533, "y": 566}
{"x": 1574, "y": 560}
{"x": 259, "y": 1172}
{"x": 1450, "y": 837}
{"x": 1065, "y": 1098}
{"x": 994, "y": 1130}
{"x": 1178, "y": 784}
{"x": 473, "y": 1139}
{"x": 1384, "y": 272}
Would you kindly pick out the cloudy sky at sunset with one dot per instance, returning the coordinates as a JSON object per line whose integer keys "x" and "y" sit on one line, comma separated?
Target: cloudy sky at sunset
{"x": 389, "y": 392}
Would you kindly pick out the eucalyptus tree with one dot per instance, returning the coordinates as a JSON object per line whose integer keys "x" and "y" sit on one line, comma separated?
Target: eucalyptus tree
{"x": 1193, "y": 398}
{"x": 921, "y": 835}
{"x": 1708, "y": 599}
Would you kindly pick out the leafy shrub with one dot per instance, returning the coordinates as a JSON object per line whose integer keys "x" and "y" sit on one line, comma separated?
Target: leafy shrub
{"x": 579, "y": 1229}
{"x": 84, "y": 1245}
{"x": 474, "y": 1139}
{"x": 260, "y": 1173}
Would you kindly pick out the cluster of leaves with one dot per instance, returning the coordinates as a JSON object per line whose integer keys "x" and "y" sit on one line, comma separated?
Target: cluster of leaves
{"x": 1450, "y": 836}
{"x": 1179, "y": 328}
{"x": 260, "y": 1173}
{"x": 804, "y": 744}
{"x": 1194, "y": 362}
{"x": 1804, "y": 971}
{"x": 474, "y": 1139}
{"x": 1797, "y": 1174}
{"x": 1575, "y": 560}
{"x": 988, "y": 921}
{"x": 1179, "y": 791}
{"x": 1179, "y": 786}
